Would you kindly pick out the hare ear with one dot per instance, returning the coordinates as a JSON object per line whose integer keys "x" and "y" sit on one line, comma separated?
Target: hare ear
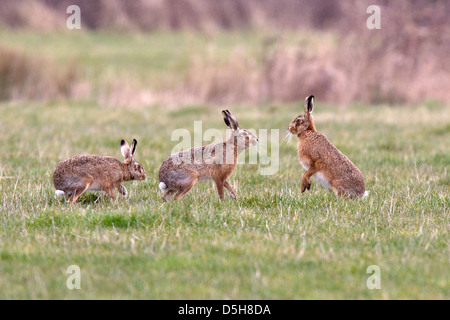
{"x": 309, "y": 104}
{"x": 225, "y": 118}
{"x": 133, "y": 147}
{"x": 230, "y": 120}
{"x": 125, "y": 149}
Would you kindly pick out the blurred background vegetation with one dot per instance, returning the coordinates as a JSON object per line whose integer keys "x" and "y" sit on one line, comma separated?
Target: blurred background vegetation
{"x": 235, "y": 51}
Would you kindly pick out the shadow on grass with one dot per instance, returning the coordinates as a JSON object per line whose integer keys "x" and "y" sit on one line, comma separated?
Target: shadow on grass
{"x": 92, "y": 198}
{"x": 84, "y": 199}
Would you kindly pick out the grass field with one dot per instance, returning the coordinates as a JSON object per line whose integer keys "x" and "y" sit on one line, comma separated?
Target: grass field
{"x": 271, "y": 243}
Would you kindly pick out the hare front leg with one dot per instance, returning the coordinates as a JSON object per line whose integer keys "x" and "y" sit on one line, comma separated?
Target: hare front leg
{"x": 110, "y": 193}
{"x": 306, "y": 178}
{"x": 231, "y": 192}
{"x": 219, "y": 185}
{"x": 122, "y": 190}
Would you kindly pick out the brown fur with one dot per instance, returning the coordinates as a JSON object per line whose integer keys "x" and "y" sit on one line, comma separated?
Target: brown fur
{"x": 180, "y": 172}
{"x": 80, "y": 173}
{"x": 321, "y": 158}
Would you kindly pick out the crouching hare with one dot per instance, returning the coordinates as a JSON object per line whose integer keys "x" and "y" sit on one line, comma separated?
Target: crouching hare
{"x": 181, "y": 171}
{"x": 322, "y": 160}
{"x": 74, "y": 176}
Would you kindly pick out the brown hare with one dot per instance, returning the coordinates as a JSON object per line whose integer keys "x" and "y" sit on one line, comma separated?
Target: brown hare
{"x": 181, "y": 171}
{"x": 74, "y": 176}
{"x": 322, "y": 160}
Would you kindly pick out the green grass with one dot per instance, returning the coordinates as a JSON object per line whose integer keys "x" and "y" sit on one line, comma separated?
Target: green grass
{"x": 271, "y": 243}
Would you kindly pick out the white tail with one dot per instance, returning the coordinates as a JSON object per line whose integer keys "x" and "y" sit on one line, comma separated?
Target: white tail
{"x": 162, "y": 186}
{"x": 59, "y": 193}
{"x": 366, "y": 194}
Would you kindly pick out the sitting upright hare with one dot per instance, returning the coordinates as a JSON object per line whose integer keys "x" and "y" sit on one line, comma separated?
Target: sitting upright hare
{"x": 217, "y": 161}
{"x": 322, "y": 160}
{"x": 78, "y": 174}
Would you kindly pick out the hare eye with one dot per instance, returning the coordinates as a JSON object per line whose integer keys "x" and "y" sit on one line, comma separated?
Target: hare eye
{"x": 298, "y": 120}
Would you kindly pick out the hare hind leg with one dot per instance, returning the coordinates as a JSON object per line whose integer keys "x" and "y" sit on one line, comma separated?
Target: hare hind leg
{"x": 177, "y": 183}
{"x": 168, "y": 194}
{"x": 73, "y": 197}
{"x": 189, "y": 183}
{"x": 77, "y": 187}
{"x": 341, "y": 191}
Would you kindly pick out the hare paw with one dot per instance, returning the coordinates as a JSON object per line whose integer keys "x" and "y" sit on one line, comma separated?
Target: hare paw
{"x": 306, "y": 185}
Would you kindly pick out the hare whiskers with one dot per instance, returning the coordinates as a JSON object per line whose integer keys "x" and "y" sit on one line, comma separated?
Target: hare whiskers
{"x": 288, "y": 136}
